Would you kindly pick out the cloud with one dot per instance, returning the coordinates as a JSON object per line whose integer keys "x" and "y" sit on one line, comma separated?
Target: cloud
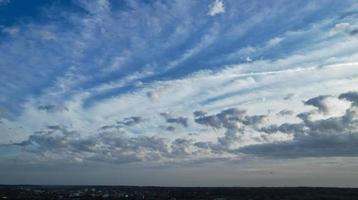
{"x": 228, "y": 118}
{"x": 319, "y": 102}
{"x": 334, "y": 136}
{"x": 153, "y": 95}
{"x": 52, "y": 108}
{"x": 318, "y": 146}
{"x": 216, "y": 8}
{"x": 243, "y": 134}
{"x": 285, "y": 112}
{"x": 130, "y": 121}
{"x": 126, "y": 122}
{"x": 13, "y": 31}
{"x": 289, "y": 96}
{"x": 350, "y": 96}
{"x": 106, "y": 146}
{"x": 54, "y": 139}
{"x": 222, "y": 119}
{"x": 354, "y": 32}
{"x": 170, "y": 128}
{"x": 235, "y": 122}
{"x": 176, "y": 120}
{"x": 273, "y": 42}
{"x": 199, "y": 113}
{"x": 254, "y": 120}
{"x": 342, "y": 26}
{"x": 181, "y": 147}
{"x": 47, "y": 35}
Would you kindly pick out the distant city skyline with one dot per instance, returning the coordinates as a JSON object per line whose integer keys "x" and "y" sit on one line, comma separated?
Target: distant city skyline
{"x": 179, "y": 93}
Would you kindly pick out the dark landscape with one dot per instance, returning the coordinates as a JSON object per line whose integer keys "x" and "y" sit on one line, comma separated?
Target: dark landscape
{"x": 170, "y": 193}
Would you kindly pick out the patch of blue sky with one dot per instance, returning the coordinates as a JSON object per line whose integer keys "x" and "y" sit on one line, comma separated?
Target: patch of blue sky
{"x": 34, "y": 64}
{"x": 17, "y": 11}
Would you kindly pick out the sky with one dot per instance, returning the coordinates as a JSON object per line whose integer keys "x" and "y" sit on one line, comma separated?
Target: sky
{"x": 179, "y": 93}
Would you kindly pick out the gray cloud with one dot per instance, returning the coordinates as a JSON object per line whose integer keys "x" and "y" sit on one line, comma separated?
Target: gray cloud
{"x": 253, "y": 120}
{"x": 212, "y": 121}
{"x": 215, "y": 148}
{"x": 199, "y": 113}
{"x": 63, "y": 129}
{"x": 226, "y": 119}
{"x": 223, "y": 119}
{"x": 234, "y": 121}
{"x": 229, "y": 118}
{"x": 52, "y": 108}
{"x": 60, "y": 143}
{"x": 350, "y": 96}
{"x": 180, "y": 147}
{"x": 176, "y": 120}
{"x": 319, "y": 102}
{"x": 334, "y": 136}
{"x": 105, "y": 146}
{"x": 170, "y": 128}
{"x": 106, "y": 127}
{"x": 54, "y": 139}
{"x": 285, "y": 128}
{"x": 130, "y": 121}
{"x": 354, "y": 32}
{"x": 308, "y": 146}
{"x": 285, "y": 112}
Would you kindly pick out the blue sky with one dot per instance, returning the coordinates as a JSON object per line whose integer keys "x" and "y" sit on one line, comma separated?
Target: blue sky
{"x": 133, "y": 92}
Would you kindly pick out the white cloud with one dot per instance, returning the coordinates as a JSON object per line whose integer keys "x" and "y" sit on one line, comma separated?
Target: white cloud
{"x": 216, "y": 7}
{"x": 342, "y": 26}
{"x": 274, "y": 41}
